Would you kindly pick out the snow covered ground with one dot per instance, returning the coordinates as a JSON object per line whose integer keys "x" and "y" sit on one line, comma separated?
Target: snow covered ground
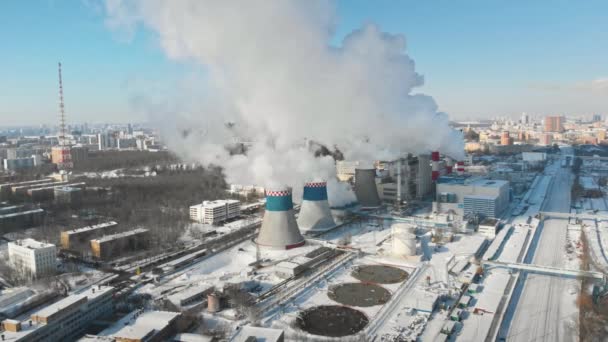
{"x": 546, "y": 309}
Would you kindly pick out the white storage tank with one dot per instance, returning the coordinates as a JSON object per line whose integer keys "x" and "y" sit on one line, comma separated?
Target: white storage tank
{"x": 404, "y": 241}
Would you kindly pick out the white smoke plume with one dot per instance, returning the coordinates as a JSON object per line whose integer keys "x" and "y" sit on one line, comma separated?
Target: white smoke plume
{"x": 273, "y": 74}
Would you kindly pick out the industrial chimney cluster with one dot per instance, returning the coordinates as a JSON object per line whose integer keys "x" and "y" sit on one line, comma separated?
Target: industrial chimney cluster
{"x": 281, "y": 230}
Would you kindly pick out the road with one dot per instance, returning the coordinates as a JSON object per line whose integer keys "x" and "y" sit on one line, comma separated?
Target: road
{"x": 541, "y": 313}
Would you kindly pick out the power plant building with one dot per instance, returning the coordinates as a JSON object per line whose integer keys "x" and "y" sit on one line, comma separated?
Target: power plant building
{"x": 279, "y": 227}
{"x": 214, "y": 212}
{"x": 65, "y": 320}
{"x": 488, "y": 198}
{"x": 415, "y": 178}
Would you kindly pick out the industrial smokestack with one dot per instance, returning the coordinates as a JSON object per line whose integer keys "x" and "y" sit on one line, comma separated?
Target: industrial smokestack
{"x": 365, "y": 188}
{"x": 449, "y": 165}
{"x": 435, "y": 165}
{"x": 460, "y": 167}
{"x": 279, "y": 227}
{"x": 315, "y": 213}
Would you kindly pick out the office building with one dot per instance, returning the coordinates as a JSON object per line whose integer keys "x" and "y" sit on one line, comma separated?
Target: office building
{"x": 214, "y": 212}
{"x": 32, "y": 258}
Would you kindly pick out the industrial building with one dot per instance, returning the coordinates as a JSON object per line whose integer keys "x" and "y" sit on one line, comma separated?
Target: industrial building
{"x": 140, "y": 326}
{"x": 116, "y": 244}
{"x": 488, "y": 227}
{"x": 479, "y": 196}
{"x": 214, "y": 212}
{"x": 65, "y": 320}
{"x": 415, "y": 175}
{"x": 77, "y": 238}
{"x": 33, "y": 258}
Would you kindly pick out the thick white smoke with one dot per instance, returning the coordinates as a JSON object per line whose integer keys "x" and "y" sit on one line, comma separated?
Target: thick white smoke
{"x": 272, "y": 72}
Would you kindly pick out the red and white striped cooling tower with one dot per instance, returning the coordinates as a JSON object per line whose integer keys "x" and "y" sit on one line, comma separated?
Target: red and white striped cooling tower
{"x": 460, "y": 167}
{"x": 449, "y": 165}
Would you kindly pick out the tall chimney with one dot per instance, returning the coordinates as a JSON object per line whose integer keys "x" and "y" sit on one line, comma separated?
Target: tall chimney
{"x": 435, "y": 165}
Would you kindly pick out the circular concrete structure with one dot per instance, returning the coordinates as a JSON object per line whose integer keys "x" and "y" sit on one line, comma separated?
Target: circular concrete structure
{"x": 359, "y": 294}
{"x": 332, "y": 320}
{"x": 380, "y": 274}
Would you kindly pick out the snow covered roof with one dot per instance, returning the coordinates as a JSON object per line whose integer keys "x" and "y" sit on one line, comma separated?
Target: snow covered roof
{"x": 86, "y": 295}
{"x": 139, "y": 325}
{"x": 261, "y": 334}
{"x": 121, "y": 235}
{"x": 32, "y": 244}
{"x": 93, "y": 227}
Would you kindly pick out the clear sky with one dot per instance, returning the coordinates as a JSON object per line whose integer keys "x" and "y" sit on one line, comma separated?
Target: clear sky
{"x": 480, "y": 58}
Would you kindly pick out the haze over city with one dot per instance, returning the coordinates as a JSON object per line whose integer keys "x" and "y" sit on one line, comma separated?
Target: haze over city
{"x": 290, "y": 170}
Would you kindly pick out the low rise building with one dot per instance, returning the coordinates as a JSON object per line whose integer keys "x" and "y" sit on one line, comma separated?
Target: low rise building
{"x": 488, "y": 227}
{"x": 116, "y": 244}
{"x": 77, "y": 238}
{"x": 20, "y": 220}
{"x": 33, "y": 258}
{"x": 141, "y": 326}
{"x": 214, "y": 212}
{"x": 64, "y": 320}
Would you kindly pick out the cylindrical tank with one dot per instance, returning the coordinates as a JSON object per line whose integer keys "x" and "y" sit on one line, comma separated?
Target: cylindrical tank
{"x": 214, "y": 302}
{"x": 404, "y": 241}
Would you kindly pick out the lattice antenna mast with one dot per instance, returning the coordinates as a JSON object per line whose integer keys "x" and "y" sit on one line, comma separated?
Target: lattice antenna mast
{"x": 61, "y": 111}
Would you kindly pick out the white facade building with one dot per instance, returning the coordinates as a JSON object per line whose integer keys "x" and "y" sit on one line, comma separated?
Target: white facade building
{"x": 33, "y": 257}
{"x": 481, "y": 196}
{"x": 213, "y": 212}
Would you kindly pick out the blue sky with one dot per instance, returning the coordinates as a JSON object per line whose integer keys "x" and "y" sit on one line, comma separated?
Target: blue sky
{"x": 479, "y": 58}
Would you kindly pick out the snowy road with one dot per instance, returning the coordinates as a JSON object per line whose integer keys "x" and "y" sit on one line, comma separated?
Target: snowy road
{"x": 544, "y": 311}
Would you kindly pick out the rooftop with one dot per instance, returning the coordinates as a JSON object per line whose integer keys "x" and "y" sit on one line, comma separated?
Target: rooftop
{"x": 88, "y": 294}
{"x": 32, "y": 244}
{"x": 139, "y": 325}
{"x": 121, "y": 235}
{"x": 261, "y": 334}
{"x": 93, "y": 227}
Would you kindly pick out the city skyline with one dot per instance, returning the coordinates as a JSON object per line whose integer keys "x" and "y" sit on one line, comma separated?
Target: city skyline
{"x": 478, "y": 60}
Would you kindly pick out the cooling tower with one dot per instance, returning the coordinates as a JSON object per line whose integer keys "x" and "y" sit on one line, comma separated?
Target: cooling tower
{"x": 435, "y": 165}
{"x": 279, "y": 227}
{"x": 314, "y": 211}
{"x": 365, "y": 188}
